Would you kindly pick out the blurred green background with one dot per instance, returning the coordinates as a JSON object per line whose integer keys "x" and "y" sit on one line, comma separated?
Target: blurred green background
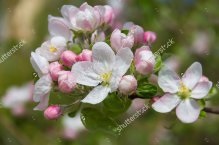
{"x": 192, "y": 24}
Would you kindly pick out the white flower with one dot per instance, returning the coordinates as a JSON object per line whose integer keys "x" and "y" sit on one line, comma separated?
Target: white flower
{"x": 40, "y": 64}
{"x": 16, "y": 97}
{"x": 52, "y": 49}
{"x": 42, "y": 91}
{"x": 182, "y": 93}
{"x": 105, "y": 71}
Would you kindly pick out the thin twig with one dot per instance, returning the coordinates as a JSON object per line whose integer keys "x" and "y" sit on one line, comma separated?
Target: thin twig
{"x": 211, "y": 110}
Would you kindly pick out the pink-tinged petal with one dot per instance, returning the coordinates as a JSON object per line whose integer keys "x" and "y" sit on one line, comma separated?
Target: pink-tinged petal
{"x": 116, "y": 39}
{"x": 166, "y": 103}
{"x": 97, "y": 95}
{"x": 192, "y": 75}
{"x": 168, "y": 80}
{"x": 40, "y": 64}
{"x": 188, "y": 111}
{"x": 67, "y": 10}
{"x": 201, "y": 90}
{"x": 59, "y": 27}
{"x": 84, "y": 74}
{"x": 42, "y": 87}
{"x": 124, "y": 59}
{"x": 103, "y": 57}
{"x": 43, "y": 103}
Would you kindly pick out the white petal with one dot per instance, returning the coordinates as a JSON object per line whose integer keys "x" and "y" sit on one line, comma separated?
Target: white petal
{"x": 97, "y": 95}
{"x": 201, "y": 90}
{"x": 84, "y": 74}
{"x": 58, "y": 42}
{"x": 166, "y": 103}
{"x": 43, "y": 103}
{"x": 124, "y": 59}
{"x": 59, "y": 27}
{"x": 114, "y": 83}
{"x": 192, "y": 75}
{"x": 188, "y": 111}
{"x": 42, "y": 87}
{"x": 168, "y": 80}
{"x": 39, "y": 63}
{"x": 66, "y": 10}
{"x": 103, "y": 57}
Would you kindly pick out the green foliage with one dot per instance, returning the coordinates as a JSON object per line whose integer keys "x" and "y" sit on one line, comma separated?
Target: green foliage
{"x": 95, "y": 120}
{"x": 146, "y": 90}
{"x": 115, "y": 105}
{"x": 76, "y": 48}
{"x": 125, "y": 32}
{"x": 158, "y": 64}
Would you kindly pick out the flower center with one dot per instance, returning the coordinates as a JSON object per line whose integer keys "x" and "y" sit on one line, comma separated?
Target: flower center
{"x": 52, "y": 49}
{"x": 106, "y": 78}
{"x": 184, "y": 92}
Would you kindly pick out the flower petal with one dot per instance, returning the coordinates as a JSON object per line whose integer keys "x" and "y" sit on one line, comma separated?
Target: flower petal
{"x": 192, "y": 75}
{"x": 59, "y": 27}
{"x": 42, "y": 87}
{"x": 84, "y": 74}
{"x": 43, "y": 103}
{"x": 97, "y": 95}
{"x": 124, "y": 59}
{"x": 40, "y": 64}
{"x": 103, "y": 57}
{"x": 201, "y": 90}
{"x": 168, "y": 80}
{"x": 188, "y": 111}
{"x": 166, "y": 103}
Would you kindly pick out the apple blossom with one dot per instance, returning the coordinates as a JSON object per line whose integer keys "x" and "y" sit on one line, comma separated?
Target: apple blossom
{"x": 53, "y": 112}
{"x": 144, "y": 60}
{"x": 59, "y": 27}
{"x": 54, "y": 69}
{"x": 17, "y": 97}
{"x": 128, "y": 85}
{"x": 66, "y": 82}
{"x": 52, "y": 49}
{"x": 182, "y": 93}
{"x": 40, "y": 64}
{"x": 85, "y": 55}
{"x": 119, "y": 40}
{"x": 68, "y": 58}
{"x": 104, "y": 72}
{"x": 150, "y": 37}
{"x": 85, "y": 18}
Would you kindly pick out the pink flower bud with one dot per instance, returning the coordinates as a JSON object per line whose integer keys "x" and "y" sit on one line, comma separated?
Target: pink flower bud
{"x": 119, "y": 40}
{"x": 128, "y": 85}
{"x": 53, "y": 112}
{"x": 85, "y": 55}
{"x": 66, "y": 82}
{"x": 54, "y": 69}
{"x": 138, "y": 33}
{"x": 144, "y": 60}
{"x": 109, "y": 14}
{"x": 150, "y": 37}
{"x": 153, "y": 79}
{"x": 68, "y": 58}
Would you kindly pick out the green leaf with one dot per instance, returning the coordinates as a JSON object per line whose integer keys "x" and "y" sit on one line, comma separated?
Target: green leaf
{"x": 202, "y": 114}
{"x": 125, "y": 32}
{"x": 95, "y": 120}
{"x": 76, "y": 48}
{"x": 146, "y": 90}
{"x": 114, "y": 105}
{"x": 73, "y": 113}
{"x": 158, "y": 64}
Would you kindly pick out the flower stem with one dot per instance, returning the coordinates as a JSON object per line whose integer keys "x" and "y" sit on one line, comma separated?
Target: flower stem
{"x": 211, "y": 110}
